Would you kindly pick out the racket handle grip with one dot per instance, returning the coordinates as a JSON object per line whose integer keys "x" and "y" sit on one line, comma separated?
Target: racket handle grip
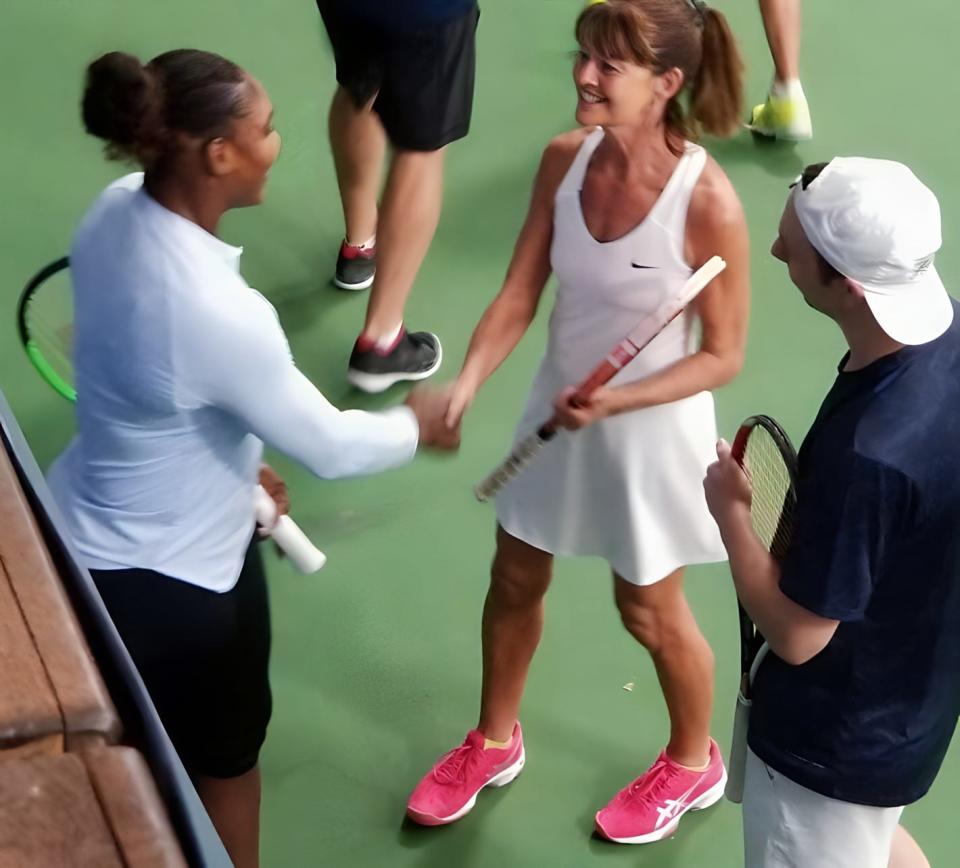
{"x": 600, "y": 376}
{"x": 547, "y": 431}
{"x": 303, "y": 554}
{"x": 737, "y": 762}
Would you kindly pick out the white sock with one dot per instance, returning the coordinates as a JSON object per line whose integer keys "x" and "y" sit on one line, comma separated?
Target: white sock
{"x": 386, "y": 341}
{"x": 789, "y": 89}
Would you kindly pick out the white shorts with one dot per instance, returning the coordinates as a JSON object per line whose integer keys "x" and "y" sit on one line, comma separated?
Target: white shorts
{"x": 788, "y": 826}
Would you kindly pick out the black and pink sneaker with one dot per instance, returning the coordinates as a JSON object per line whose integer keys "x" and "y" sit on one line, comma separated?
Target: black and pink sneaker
{"x": 412, "y": 356}
{"x": 356, "y": 267}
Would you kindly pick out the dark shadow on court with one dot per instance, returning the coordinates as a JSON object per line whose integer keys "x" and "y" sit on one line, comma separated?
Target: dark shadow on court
{"x": 473, "y": 846}
{"x": 779, "y": 159}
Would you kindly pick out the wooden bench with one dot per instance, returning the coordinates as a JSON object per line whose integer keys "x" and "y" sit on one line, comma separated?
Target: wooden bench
{"x": 52, "y": 697}
{"x": 69, "y": 796}
{"x": 98, "y": 809}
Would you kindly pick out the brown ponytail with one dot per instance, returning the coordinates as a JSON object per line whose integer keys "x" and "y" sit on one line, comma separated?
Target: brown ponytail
{"x": 716, "y": 95}
{"x": 140, "y": 111}
{"x": 681, "y": 34}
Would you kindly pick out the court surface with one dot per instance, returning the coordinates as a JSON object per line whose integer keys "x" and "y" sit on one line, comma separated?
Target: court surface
{"x": 376, "y": 660}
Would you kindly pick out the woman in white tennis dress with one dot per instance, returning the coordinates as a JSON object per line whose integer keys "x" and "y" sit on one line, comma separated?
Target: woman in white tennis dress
{"x": 627, "y": 488}
{"x": 623, "y": 211}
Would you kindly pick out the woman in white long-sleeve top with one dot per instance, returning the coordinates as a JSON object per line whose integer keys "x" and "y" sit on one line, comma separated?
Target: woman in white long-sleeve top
{"x": 183, "y": 371}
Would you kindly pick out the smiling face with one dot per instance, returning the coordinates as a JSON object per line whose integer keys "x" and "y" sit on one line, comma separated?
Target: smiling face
{"x": 621, "y": 79}
{"x": 613, "y": 92}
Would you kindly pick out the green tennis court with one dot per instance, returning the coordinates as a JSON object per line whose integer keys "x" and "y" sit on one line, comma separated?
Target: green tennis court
{"x": 376, "y": 663}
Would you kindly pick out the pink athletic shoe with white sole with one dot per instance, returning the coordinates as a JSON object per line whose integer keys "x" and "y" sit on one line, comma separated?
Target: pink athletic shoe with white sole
{"x": 449, "y": 790}
{"x": 650, "y": 808}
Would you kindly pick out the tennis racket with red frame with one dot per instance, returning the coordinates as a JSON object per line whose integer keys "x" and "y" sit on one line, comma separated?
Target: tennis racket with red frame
{"x": 621, "y": 355}
{"x": 764, "y": 451}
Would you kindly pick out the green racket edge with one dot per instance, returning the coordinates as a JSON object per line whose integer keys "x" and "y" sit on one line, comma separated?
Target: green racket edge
{"x": 63, "y": 388}
{"x": 37, "y": 359}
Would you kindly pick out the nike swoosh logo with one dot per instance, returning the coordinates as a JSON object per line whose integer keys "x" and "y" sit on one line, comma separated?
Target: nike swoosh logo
{"x": 638, "y": 265}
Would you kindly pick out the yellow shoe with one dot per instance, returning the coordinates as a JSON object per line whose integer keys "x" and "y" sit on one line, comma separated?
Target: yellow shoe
{"x": 783, "y": 117}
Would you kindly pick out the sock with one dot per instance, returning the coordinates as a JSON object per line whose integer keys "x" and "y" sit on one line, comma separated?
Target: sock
{"x": 789, "y": 89}
{"x": 367, "y": 245}
{"x": 702, "y": 768}
{"x": 387, "y": 342}
{"x": 499, "y": 745}
{"x": 384, "y": 344}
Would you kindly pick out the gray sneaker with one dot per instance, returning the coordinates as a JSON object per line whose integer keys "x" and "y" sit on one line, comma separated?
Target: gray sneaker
{"x": 414, "y": 356}
{"x": 355, "y": 267}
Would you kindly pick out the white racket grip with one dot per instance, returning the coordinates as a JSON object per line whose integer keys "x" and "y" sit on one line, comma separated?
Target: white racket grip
{"x": 303, "y": 554}
{"x": 737, "y": 764}
{"x": 697, "y": 282}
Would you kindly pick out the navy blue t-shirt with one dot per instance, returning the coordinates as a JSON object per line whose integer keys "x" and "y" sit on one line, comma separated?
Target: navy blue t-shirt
{"x": 876, "y": 546}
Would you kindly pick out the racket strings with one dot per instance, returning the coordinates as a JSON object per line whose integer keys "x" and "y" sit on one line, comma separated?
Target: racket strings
{"x": 774, "y": 498}
{"x": 55, "y": 342}
{"x": 49, "y": 322}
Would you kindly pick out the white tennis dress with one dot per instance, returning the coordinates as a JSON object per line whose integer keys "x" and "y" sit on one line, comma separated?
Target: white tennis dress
{"x": 627, "y": 488}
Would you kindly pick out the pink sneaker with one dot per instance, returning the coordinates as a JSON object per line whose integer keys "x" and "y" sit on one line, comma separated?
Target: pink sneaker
{"x": 651, "y": 807}
{"x": 449, "y": 790}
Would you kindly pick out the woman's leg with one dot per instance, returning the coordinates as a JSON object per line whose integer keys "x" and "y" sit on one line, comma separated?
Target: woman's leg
{"x": 491, "y": 756}
{"x": 689, "y": 774}
{"x": 512, "y": 625}
{"x": 659, "y": 618}
{"x": 204, "y": 659}
{"x": 234, "y": 807}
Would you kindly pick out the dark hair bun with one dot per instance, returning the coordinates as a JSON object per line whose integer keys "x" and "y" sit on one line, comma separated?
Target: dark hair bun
{"x": 120, "y": 105}
{"x": 142, "y": 111}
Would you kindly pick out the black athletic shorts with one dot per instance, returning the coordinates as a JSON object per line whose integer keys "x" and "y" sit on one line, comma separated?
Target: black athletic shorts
{"x": 203, "y": 657}
{"x": 422, "y": 78}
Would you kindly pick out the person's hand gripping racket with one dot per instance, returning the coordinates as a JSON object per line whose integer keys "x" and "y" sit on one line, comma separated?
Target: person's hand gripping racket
{"x": 752, "y": 489}
{"x": 727, "y": 487}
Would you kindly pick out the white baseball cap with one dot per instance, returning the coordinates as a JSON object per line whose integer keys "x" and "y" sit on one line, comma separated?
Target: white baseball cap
{"x": 877, "y": 224}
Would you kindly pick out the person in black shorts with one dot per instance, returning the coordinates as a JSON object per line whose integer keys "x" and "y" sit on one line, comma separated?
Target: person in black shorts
{"x": 405, "y": 71}
{"x": 183, "y": 373}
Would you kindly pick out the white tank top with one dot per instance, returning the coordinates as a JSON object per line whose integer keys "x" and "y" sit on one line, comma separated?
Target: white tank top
{"x": 606, "y": 288}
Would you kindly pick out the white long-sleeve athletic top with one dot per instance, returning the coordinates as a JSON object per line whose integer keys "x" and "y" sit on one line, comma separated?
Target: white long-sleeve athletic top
{"x": 182, "y": 372}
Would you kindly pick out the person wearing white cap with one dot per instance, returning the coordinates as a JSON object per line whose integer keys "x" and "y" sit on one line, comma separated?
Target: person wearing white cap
{"x": 856, "y": 704}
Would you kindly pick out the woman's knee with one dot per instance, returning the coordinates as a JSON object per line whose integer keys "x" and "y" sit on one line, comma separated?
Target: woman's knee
{"x": 520, "y": 574}
{"x": 657, "y": 616}
{"x": 644, "y": 623}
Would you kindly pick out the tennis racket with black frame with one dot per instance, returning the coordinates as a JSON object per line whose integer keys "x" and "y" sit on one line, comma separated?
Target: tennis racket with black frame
{"x": 764, "y": 451}
{"x": 45, "y": 325}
